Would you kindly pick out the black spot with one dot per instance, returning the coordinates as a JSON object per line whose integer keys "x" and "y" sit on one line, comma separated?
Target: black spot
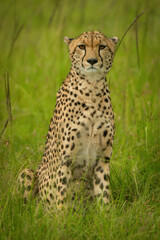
{"x": 51, "y": 196}
{"x": 105, "y": 133}
{"x": 107, "y": 159}
{"x": 83, "y": 124}
{"x": 68, "y": 163}
{"x": 106, "y": 177}
{"x": 99, "y": 169}
{"x": 107, "y": 187}
{"x": 48, "y": 201}
{"x": 54, "y": 185}
{"x": 106, "y": 99}
{"x": 100, "y": 125}
{"x": 73, "y": 146}
{"x": 107, "y": 91}
{"x": 28, "y": 188}
{"x": 64, "y": 152}
{"x": 67, "y": 146}
{"x": 99, "y": 105}
{"x": 63, "y": 191}
{"x": 64, "y": 180}
{"x": 83, "y": 105}
{"x": 108, "y": 142}
{"x": 59, "y": 188}
{"x": 78, "y": 135}
{"x": 74, "y": 129}
{"x": 101, "y": 186}
{"x": 92, "y": 114}
{"x": 97, "y": 181}
{"x": 23, "y": 175}
{"x": 28, "y": 177}
{"x": 105, "y": 194}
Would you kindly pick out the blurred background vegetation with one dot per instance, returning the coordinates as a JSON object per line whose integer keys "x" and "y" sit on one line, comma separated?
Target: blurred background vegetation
{"x": 34, "y": 61}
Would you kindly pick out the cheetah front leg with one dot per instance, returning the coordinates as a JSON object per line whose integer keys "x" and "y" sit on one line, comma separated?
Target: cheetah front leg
{"x": 62, "y": 181}
{"x": 102, "y": 181}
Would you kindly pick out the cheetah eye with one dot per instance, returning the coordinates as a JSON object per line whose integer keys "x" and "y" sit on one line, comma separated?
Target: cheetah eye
{"x": 101, "y": 47}
{"x": 82, "y": 47}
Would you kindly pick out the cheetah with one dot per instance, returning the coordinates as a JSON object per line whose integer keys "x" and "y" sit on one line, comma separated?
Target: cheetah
{"x": 80, "y": 138}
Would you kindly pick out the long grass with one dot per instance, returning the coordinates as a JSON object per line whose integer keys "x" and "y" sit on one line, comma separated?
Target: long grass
{"x": 35, "y": 61}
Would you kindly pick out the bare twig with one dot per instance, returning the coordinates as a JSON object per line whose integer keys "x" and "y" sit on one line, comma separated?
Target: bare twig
{"x": 15, "y": 37}
{"x": 137, "y": 44}
{"x": 5, "y": 126}
{"x": 8, "y": 97}
{"x": 8, "y": 102}
{"x": 135, "y": 20}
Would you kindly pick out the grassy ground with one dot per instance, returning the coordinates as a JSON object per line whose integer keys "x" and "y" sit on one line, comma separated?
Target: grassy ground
{"x": 35, "y": 60}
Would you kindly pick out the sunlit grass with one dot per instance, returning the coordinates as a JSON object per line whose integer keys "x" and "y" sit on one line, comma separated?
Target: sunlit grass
{"x": 33, "y": 53}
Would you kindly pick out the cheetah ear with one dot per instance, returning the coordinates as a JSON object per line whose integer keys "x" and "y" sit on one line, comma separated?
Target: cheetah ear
{"x": 115, "y": 40}
{"x": 68, "y": 40}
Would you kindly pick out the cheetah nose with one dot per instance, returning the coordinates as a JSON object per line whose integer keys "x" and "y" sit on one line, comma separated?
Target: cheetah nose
{"x": 92, "y": 61}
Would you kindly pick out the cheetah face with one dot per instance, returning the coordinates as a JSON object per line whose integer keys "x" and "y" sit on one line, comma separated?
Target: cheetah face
{"x": 91, "y": 53}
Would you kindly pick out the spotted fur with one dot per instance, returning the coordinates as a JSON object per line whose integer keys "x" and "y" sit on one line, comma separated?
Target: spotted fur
{"x": 81, "y": 132}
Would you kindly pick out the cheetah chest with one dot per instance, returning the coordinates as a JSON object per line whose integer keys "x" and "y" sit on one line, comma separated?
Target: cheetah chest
{"x": 92, "y": 140}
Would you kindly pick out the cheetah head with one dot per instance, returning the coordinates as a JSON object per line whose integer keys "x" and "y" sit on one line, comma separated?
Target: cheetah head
{"x": 91, "y": 53}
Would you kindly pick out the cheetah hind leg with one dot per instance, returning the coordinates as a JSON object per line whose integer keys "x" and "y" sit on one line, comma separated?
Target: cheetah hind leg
{"x": 27, "y": 184}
